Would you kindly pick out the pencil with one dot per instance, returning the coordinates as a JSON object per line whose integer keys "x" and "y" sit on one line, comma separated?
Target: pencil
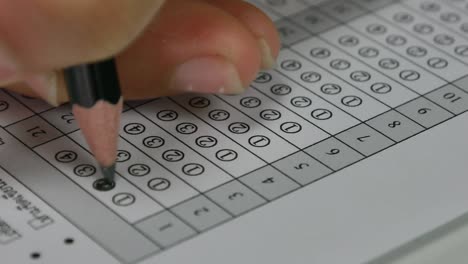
{"x": 96, "y": 99}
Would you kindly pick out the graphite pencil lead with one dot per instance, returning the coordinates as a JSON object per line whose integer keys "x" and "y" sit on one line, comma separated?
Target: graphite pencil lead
{"x": 109, "y": 172}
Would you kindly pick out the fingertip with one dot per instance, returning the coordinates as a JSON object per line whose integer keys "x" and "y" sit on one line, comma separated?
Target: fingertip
{"x": 48, "y": 34}
{"x": 258, "y": 23}
{"x": 268, "y": 57}
{"x": 182, "y": 32}
{"x": 49, "y": 86}
{"x": 210, "y": 74}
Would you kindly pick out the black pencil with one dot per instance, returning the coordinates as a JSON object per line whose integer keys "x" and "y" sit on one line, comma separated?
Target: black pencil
{"x": 95, "y": 95}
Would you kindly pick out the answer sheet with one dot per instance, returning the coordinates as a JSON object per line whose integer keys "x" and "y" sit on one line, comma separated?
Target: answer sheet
{"x": 354, "y": 78}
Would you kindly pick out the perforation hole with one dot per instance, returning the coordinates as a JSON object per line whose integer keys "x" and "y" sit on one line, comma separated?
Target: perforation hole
{"x": 35, "y": 255}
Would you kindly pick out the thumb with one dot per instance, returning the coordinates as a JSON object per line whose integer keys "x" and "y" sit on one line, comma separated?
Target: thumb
{"x": 39, "y": 36}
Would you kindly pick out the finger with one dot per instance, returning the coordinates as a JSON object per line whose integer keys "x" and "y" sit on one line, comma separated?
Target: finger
{"x": 209, "y": 47}
{"x": 191, "y": 46}
{"x": 48, "y": 86}
{"x": 56, "y": 34}
{"x": 258, "y": 23}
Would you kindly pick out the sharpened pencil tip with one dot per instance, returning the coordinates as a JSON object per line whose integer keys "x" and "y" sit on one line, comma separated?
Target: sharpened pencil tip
{"x": 109, "y": 172}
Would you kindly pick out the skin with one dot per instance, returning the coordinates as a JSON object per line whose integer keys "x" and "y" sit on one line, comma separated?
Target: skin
{"x": 150, "y": 39}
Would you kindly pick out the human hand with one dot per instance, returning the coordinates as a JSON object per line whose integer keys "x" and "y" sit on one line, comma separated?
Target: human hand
{"x": 162, "y": 48}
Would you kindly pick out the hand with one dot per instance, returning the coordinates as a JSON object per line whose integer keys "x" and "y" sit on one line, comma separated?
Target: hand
{"x": 162, "y": 48}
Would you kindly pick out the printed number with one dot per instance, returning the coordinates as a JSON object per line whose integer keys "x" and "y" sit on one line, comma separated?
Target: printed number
{"x": 320, "y": 53}
{"x": 226, "y": 155}
{"x": 381, "y": 88}
{"x": 340, "y": 64}
{"x": 376, "y": 29}
{"x": 301, "y": 166}
{"x": 351, "y": 101}
{"x": 291, "y": 65}
{"x": 4, "y": 106}
{"x": 360, "y": 76}
{"x": 348, "y": 41}
{"x": 153, "y": 142}
{"x": 333, "y": 152}
{"x": 450, "y": 17}
{"x": 437, "y": 63}
{"x": 159, "y": 184}
{"x": 269, "y": 180}
{"x": 250, "y": 102}
{"x": 239, "y": 128}
{"x": 369, "y": 52}
{"x": 290, "y": 127}
{"x": 259, "y": 141}
{"x": 285, "y": 31}
{"x": 416, "y": 51}
{"x": 403, "y": 18}
{"x": 66, "y": 156}
{"x": 396, "y": 40}
{"x": 134, "y": 129}
{"x": 199, "y": 102}
{"x": 301, "y": 101}
{"x": 173, "y": 155}
{"x": 203, "y": 210}
{"x": 219, "y": 115}
{"x": 36, "y": 131}
{"x": 84, "y": 170}
{"x": 311, "y": 77}
{"x": 270, "y": 114}
{"x": 167, "y": 115}
{"x": 123, "y": 156}
{"x": 68, "y": 118}
{"x": 389, "y": 64}
{"x": 410, "y": 75}
{"x": 459, "y": 50}
{"x": 322, "y": 114}
{"x": 206, "y": 141}
{"x": 452, "y": 97}
{"x": 331, "y": 89}
{"x": 139, "y": 170}
{"x": 424, "y": 111}
{"x": 444, "y": 40}
{"x": 280, "y": 89}
{"x": 186, "y": 128}
{"x": 123, "y": 199}
{"x": 263, "y": 77}
{"x": 423, "y": 29}
{"x": 235, "y": 196}
{"x": 193, "y": 169}
{"x": 394, "y": 124}
{"x": 363, "y": 138}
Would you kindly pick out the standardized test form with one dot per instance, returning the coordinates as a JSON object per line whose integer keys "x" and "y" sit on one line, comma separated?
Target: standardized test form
{"x": 355, "y": 144}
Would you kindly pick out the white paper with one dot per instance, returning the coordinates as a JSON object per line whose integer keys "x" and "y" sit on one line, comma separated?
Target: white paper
{"x": 360, "y": 85}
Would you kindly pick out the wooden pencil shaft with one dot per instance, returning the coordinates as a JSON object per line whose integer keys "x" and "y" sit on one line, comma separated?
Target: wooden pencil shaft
{"x": 100, "y": 128}
{"x": 95, "y": 95}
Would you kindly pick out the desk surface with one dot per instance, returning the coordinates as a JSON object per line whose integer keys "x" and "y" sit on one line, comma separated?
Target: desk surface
{"x": 446, "y": 244}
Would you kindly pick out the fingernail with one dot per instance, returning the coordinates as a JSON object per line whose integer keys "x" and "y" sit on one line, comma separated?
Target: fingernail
{"x": 46, "y": 87}
{"x": 207, "y": 75}
{"x": 8, "y": 67}
{"x": 268, "y": 62}
{"x": 62, "y": 92}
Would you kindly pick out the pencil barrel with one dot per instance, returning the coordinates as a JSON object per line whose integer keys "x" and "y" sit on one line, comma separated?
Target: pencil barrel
{"x": 88, "y": 84}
